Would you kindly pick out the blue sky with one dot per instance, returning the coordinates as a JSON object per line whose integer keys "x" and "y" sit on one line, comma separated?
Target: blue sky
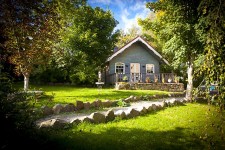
{"x": 125, "y": 11}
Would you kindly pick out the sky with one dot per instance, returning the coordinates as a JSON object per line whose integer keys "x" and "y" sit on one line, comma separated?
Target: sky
{"x": 126, "y": 12}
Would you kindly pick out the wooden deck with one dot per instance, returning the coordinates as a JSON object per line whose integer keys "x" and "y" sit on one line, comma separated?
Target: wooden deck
{"x": 141, "y": 78}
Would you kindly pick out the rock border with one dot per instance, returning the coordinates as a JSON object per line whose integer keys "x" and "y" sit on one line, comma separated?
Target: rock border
{"x": 80, "y": 105}
{"x": 111, "y": 115}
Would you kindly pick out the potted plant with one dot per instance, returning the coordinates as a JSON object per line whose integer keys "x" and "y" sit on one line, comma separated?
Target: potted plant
{"x": 156, "y": 78}
{"x": 125, "y": 78}
{"x": 169, "y": 80}
{"x": 147, "y": 79}
{"x": 163, "y": 79}
{"x": 176, "y": 80}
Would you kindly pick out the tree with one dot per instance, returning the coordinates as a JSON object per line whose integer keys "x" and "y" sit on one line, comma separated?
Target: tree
{"x": 175, "y": 28}
{"x": 87, "y": 42}
{"x": 148, "y": 33}
{"x": 124, "y": 37}
{"x": 211, "y": 32}
{"x": 31, "y": 28}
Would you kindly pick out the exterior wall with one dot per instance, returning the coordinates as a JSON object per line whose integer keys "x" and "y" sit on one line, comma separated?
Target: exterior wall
{"x": 134, "y": 54}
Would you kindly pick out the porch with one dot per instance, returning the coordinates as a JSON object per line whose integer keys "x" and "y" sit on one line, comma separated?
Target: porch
{"x": 141, "y": 78}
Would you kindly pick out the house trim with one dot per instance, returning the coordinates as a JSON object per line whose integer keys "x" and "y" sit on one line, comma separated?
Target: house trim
{"x": 134, "y": 41}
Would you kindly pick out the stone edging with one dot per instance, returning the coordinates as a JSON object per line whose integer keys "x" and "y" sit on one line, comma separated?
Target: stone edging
{"x": 110, "y": 115}
{"x": 80, "y": 105}
{"x": 171, "y": 87}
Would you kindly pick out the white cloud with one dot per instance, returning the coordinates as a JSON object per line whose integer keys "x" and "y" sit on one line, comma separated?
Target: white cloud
{"x": 139, "y": 5}
{"x": 129, "y": 18}
{"x": 126, "y": 12}
{"x": 127, "y": 22}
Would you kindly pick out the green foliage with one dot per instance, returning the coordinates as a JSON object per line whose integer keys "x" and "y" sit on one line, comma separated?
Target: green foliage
{"x": 87, "y": 41}
{"x": 145, "y": 97}
{"x": 50, "y": 75}
{"x": 211, "y": 32}
{"x": 122, "y": 103}
{"x": 149, "y": 34}
{"x": 125, "y": 78}
{"x": 174, "y": 26}
{"x": 16, "y": 115}
{"x": 24, "y": 25}
{"x": 124, "y": 37}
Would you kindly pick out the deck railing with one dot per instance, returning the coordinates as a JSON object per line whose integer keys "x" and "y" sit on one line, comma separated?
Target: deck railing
{"x": 142, "y": 77}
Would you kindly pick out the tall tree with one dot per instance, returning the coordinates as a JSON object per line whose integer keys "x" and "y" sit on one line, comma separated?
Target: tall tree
{"x": 175, "y": 28}
{"x": 88, "y": 41}
{"x": 124, "y": 37}
{"x": 150, "y": 35}
{"x": 31, "y": 28}
{"x": 211, "y": 31}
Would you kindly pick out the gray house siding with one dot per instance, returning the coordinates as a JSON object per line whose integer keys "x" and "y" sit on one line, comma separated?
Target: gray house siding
{"x": 135, "y": 54}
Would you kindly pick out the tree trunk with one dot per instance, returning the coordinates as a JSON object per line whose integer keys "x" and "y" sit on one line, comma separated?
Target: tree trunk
{"x": 190, "y": 81}
{"x": 26, "y": 81}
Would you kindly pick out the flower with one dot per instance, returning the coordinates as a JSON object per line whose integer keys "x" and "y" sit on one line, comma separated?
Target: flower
{"x": 147, "y": 79}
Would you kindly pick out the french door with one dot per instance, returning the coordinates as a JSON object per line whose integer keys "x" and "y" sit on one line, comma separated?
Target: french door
{"x": 135, "y": 72}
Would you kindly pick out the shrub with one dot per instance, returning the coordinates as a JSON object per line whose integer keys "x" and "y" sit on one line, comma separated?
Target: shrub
{"x": 122, "y": 103}
{"x": 125, "y": 78}
{"x": 16, "y": 115}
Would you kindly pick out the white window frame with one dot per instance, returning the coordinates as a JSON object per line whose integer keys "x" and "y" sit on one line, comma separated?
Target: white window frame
{"x": 150, "y": 65}
{"x": 120, "y": 64}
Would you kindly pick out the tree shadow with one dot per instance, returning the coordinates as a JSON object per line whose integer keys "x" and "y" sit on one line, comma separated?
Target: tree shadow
{"x": 124, "y": 138}
{"x": 201, "y": 100}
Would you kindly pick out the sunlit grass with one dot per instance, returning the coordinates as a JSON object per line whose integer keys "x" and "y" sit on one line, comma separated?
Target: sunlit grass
{"x": 69, "y": 94}
{"x": 182, "y": 127}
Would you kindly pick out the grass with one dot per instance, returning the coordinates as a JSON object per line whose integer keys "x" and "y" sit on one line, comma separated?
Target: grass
{"x": 180, "y": 127}
{"x": 69, "y": 94}
{"x": 192, "y": 126}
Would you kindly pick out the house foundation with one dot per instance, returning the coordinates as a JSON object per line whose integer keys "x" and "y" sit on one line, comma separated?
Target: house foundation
{"x": 171, "y": 87}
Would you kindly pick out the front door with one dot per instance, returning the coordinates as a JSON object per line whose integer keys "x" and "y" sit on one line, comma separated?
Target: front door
{"x": 135, "y": 72}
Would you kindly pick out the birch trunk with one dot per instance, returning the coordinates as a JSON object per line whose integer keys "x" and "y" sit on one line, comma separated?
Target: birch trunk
{"x": 190, "y": 81}
{"x": 26, "y": 81}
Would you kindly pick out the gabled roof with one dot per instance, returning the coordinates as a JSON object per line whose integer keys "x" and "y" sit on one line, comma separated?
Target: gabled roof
{"x": 121, "y": 50}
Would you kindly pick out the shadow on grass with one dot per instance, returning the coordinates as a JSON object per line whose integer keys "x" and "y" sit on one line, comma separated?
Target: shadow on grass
{"x": 105, "y": 137}
{"x": 125, "y": 138}
{"x": 201, "y": 100}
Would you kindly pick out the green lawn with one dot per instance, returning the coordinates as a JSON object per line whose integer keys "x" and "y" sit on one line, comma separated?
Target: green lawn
{"x": 69, "y": 94}
{"x": 180, "y": 127}
{"x": 192, "y": 126}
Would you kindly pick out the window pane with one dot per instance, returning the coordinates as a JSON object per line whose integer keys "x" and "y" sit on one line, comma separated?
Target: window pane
{"x": 119, "y": 68}
{"x": 150, "y": 68}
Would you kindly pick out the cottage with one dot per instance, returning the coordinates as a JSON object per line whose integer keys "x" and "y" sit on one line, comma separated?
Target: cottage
{"x": 137, "y": 61}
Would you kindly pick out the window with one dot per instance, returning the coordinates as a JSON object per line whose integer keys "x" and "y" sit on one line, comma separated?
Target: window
{"x": 120, "y": 68}
{"x": 150, "y": 68}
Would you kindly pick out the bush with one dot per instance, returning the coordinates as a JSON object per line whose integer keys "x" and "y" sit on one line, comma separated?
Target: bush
{"x": 121, "y": 103}
{"x": 16, "y": 116}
